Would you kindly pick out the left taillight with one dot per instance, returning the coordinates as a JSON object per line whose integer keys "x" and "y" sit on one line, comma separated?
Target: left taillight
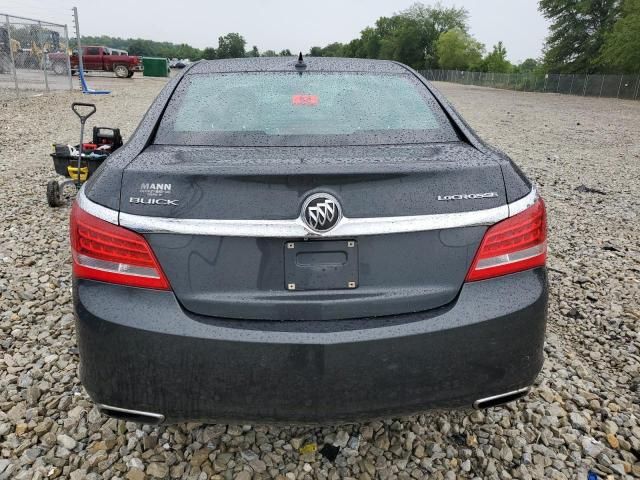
{"x": 512, "y": 245}
{"x": 110, "y": 253}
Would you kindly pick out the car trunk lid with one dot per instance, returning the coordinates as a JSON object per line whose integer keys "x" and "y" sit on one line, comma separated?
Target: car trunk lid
{"x": 249, "y": 277}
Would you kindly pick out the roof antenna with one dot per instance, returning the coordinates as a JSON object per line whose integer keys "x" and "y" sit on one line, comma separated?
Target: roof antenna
{"x": 300, "y": 65}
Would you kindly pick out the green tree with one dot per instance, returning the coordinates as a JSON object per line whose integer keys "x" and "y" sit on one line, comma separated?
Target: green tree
{"x": 529, "y": 65}
{"x": 370, "y": 43}
{"x": 439, "y": 17}
{"x": 137, "y": 47}
{"x": 269, "y": 53}
{"x": 496, "y": 61}
{"x": 285, "y": 53}
{"x": 409, "y": 36}
{"x": 315, "y": 51}
{"x": 231, "y": 46}
{"x": 621, "y": 49}
{"x": 254, "y": 52}
{"x": 144, "y": 47}
{"x": 403, "y": 39}
{"x": 408, "y": 44}
{"x": 577, "y": 33}
{"x": 333, "y": 50}
{"x": 185, "y": 50}
{"x": 434, "y": 21}
{"x": 354, "y": 49}
{"x": 458, "y": 50}
{"x": 209, "y": 53}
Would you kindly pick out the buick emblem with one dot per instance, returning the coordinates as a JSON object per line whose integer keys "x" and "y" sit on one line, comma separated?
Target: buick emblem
{"x": 321, "y": 212}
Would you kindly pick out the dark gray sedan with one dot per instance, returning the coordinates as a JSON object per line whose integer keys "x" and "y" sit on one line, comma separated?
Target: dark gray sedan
{"x": 306, "y": 240}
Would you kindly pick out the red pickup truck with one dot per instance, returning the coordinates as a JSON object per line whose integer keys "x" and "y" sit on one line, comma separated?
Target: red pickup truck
{"x": 98, "y": 58}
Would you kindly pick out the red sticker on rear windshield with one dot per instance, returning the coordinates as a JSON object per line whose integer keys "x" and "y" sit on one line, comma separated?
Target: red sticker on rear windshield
{"x": 305, "y": 100}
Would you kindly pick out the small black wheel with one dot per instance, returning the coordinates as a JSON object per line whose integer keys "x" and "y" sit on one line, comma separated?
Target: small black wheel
{"x": 130, "y": 75}
{"x": 53, "y": 194}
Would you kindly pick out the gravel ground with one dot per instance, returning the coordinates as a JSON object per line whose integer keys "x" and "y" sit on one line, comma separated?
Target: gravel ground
{"x": 582, "y": 415}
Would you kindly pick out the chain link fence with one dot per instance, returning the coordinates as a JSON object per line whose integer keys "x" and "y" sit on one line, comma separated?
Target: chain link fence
{"x": 613, "y": 86}
{"x": 34, "y": 56}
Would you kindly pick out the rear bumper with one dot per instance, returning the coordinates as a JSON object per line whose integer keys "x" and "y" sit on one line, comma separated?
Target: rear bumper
{"x": 140, "y": 350}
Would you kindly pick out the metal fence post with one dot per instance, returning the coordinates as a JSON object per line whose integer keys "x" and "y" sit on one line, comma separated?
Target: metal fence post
{"x": 79, "y": 44}
{"x": 573, "y": 77}
{"x": 637, "y": 88}
{"x": 601, "y": 85}
{"x": 13, "y": 60}
{"x": 558, "y": 84}
{"x": 66, "y": 54}
{"x": 45, "y": 58}
{"x": 619, "y": 87}
{"x": 584, "y": 88}
{"x": 546, "y": 79}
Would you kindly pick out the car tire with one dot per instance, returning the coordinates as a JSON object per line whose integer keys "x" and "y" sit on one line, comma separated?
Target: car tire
{"x": 121, "y": 71}
{"x": 59, "y": 68}
{"x": 130, "y": 75}
{"x": 54, "y": 197}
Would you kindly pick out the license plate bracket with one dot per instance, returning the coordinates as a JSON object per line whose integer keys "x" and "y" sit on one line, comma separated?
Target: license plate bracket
{"x": 321, "y": 265}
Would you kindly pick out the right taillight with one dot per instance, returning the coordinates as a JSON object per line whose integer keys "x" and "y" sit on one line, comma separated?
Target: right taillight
{"x": 512, "y": 245}
{"x": 110, "y": 253}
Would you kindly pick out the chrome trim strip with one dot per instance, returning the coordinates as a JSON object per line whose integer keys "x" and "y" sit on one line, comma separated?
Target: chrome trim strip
{"x": 520, "y": 392}
{"x": 295, "y": 228}
{"x": 96, "y": 210}
{"x": 157, "y": 416}
{"x": 524, "y": 203}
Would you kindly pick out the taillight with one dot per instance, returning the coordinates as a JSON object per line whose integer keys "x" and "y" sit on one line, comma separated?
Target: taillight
{"x": 109, "y": 253}
{"x": 512, "y": 245}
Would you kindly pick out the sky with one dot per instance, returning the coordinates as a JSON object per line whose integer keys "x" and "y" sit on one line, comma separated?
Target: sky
{"x": 280, "y": 24}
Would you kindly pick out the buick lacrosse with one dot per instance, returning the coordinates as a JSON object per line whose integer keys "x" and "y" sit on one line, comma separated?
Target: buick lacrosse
{"x": 306, "y": 240}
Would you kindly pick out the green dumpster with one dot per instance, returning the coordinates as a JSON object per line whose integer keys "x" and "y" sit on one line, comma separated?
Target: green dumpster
{"x": 155, "y": 67}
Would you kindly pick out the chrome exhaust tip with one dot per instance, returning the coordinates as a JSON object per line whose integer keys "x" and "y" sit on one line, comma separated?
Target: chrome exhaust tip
{"x": 136, "y": 416}
{"x": 501, "y": 398}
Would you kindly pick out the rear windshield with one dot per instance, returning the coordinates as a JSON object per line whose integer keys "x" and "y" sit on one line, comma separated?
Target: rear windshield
{"x": 293, "y": 109}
